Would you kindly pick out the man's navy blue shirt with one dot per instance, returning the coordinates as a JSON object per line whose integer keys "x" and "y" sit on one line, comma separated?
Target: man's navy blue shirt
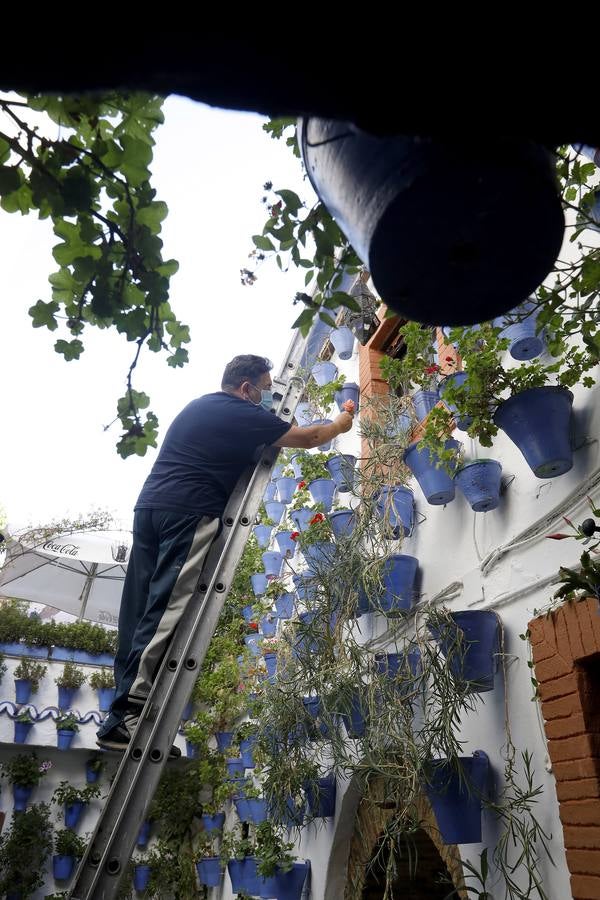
{"x": 205, "y": 450}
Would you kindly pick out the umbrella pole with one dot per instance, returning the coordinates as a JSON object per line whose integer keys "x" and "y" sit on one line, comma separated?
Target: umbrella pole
{"x": 87, "y": 588}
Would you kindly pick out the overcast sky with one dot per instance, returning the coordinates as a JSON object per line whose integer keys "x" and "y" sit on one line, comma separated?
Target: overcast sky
{"x": 56, "y": 460}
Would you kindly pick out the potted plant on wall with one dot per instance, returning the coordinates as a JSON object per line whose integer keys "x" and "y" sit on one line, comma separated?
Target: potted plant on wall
{"x": 24, "y": 849}
{"x": 104, "y": 683}
{"x": 68, "y": 848}
{"x": 24, "y": 771}
{"x": 69, "y": 681}
{"x": 66, "y": 728}
{"x": 28, "y": 675}
{"x": 74, "y": 800}
{"x": 23, "y": 725}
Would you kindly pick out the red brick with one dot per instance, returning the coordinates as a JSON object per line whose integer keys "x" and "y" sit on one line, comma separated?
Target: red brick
{"x": 585, "y": 887}
{"x": 562, "y": 706}
{"x": 536, "y": 631}
{"x": 571, "y": 614}
{"x": 590, "y": 643}
{"x": 554, "y": 667}
{"x": 579, "y": 789}
{"x": 592, "y": 605}
{"x": 580, "y": 812}
{"x": 542, "y": 651}
{"x": 562, "y": 633}
{"x": 571, "y": 726}
{"x": 584, "y": 861}
{"x": 576, "y": 836}
{"x": 579, "y": 747}
{"x": 577, "y": 768}
{"x": 558, "y": 687}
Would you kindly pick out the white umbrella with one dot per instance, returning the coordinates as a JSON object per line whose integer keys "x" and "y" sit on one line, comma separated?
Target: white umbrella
{"x": 81, "y": 573}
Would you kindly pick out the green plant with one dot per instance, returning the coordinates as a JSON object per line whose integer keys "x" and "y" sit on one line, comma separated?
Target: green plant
{"x": 69, "y": 843}
{"x": 95, "y": 763}
{"x": 67, "y": 793}
{"x": 105, "y": 678}
{"x": 272, "y": 850}
{"x": 24, "y": 717}
{"x": 67, "y": 722}
{"x": 24, "y": 849}
{"x": 313, "y": 465}
{"x": 322, "y": 397}
{"x": 25, "y": 769}
{"x": 3, "y": 667}
{"x": 31, "y": 671}
{"x": 17, "y": 626}
{"x": 319, "y": 529}
{"x": 70, "y": 677}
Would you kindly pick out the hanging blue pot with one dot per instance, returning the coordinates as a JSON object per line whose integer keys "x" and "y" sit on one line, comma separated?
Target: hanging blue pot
{"x": 458, "y": 378}
{"x": 277, "y": 472}
{"x": 320, "y": 798}
{"x": 285, "y": 885}
{"x": 398, "y": 577}
{"x": 324, "y": 372}
{"x": 524, "y": 342}
{"x": 235, "y": 767}
{"x": 343, "y": 341}
{"x": 214, "y": 822}
{"x": 22, "y": 729}
{"x": 191, "y": 750}
{"x": 400, "y": 426}
{"x": 343, "y": 523}
{"x": 141, "y": 877}
{"x": 327, "y": 445}
{"x": 64, "y": 738}
{"x": 424, "y": 401}
{"x": 268, "y": 625}
{"x": 436, "y": 483}
{"x": 258, "y": 810}
{"x": 303, "y": 645}
{"x": 271, "y": 663}
{"x": 73, "y": 813}
{"x": 92, "y": 774}
{"x": 538, "y": 421}
{"x": 341, "y": 468}
{"x": 396, "y": 506}
{"x": 209, "y": 871}
{"x": 259, "y": 583}
{"x": 287, "y": 547}
{"x": 62, "y": 867}
{"x": 105, "y": 698}
{"x": 262, "y": 533}
{"x": 22, "y": 690}
{"x": 253, "y": 642}
{"x": 301, "y": 517}
{"x": 322, "y": 491}
{"x": 480, "y": 482}
{"x": 248, "y": 613}
{"x": 284, "y": 605}
{"x": 65, "y": 697}
{"x": 354, "y": 718}
{"x": 144, "y": 833}
{"x": 286, "y": 488}
{"x": 242, "y": 809}
{"x": 400, "y": 668}
{"x": 296, "y": 463}
{"x": 224, "y": 740}
{"x": 246, "y": 746}
{"x": 473, "y": 658}
{"x": 270, "y": 492}
{"x": 319, "y": 556}
{"x": 275, "y": 510}
{"x": 304, "y": 414}
{"x": 273, "y": 563}
{"x": 306, "y": 587}
{"x": 349, "y": 391}
{"x": 244, "y": 878}
{"x": 21, "y": 795}
{"x": 456, "y": 798}
{"x": 314, "y": 707}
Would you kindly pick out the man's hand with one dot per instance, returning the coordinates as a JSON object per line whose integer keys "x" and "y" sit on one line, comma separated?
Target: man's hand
{"x": 345, "y": 419}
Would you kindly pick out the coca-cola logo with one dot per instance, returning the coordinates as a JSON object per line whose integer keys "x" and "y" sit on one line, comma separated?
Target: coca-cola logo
{"x": 63, "y": 549}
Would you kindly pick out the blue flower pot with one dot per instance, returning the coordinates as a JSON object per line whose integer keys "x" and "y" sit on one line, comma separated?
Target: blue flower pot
{"x": 21, "y": 794}
{"x": 424, "y": 401}
{"x": 248, "y": 613}
{"x": 242, "y": 809}
{"x": 349, "y": 391}
{"x": 398, "y": 577}
{"x": 244, "y": 879}
{"x": 235, "y": 767}
{"x": 285, "y": 885}
{"x": 343, "y": 523}
{"x": 456, "y": 799}
{"x": 213, "y": 823}
{"x": 321, "y": 798}
{"x": 191, "y": 750}
{"x": 253, "y": 642}
{"x": 287, "y": 547}
{"x": 396, "y": 506}
{"x": 272, "y": 562}
{"x": 105, "y": 698}
{"x": 64, "y": 738}
{"x": 259, "y": 583}
{"x": 306, "y": 587}
{"x": 538, "y": 421}
{"x": 459, "y": 378}
{"x": 480, "y": 482}
{"x": 327, "y": 445}
{"x": 304, "y": 414}
{"x": 401, "y": 425}
{"x": 246, "y": 747}
{"x": 73, "y": 813}
{"x": 271, "y": 664}
{"x": 65, "y": 697}
{"x": 22, "y": 690}
{"x": 277, "y": 472}
{"x": 224, "y": 740}
{"x": 22, "y": 730}
{"x": 262, "y": 533}
{"x": 524, "y": 342}
{"x": 141, "y": 877}
{"x": 270, "y": 492}
{"x": 258, "y": 810}
{"x": 324, "y": 372}
{"x": 343, "y": 341}
{"x": 301, "y": 517}
{"x": 275, "y": 510}
{"x": 322, "y": 491}
{"x": 91, "y": 775}
{"x": 268, "y": 626}
{"x": 475, "y": 658}
{"x": 436, "y": 484}
{"x": 296, "y": 463}
{"x": 144, "y": 833}
{"x": 62, "y": 867}
{"x": 395, "y": 665}
{"x": 313, "y": 707}
{"x": 341, "y": 468}
{"x": 319, "y": 556}
{"x": 354, "y": 718}
{"x": 286, "y": 488}
{"x": 284, "y": 605}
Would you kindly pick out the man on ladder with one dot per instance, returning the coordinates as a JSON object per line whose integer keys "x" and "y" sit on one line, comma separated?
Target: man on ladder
{"x": 178, "y": 515}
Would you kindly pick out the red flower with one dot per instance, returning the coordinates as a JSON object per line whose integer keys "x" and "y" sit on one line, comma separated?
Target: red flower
{"x": 253, "y": 626}
{"x": 431, "y": 370}
{"x": 301, "y": 484}
{"x": 449, "y": 359}
{"x": 319, "y": 517}
{"x": 294, "y": 535}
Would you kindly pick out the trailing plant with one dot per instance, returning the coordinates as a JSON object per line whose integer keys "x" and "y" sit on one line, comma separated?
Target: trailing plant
{"x": 24, "y": 849}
